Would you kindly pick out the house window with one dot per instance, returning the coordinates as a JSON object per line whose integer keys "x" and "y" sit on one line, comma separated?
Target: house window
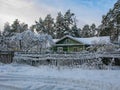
{"x": 60, "y": 49}
{"x": 75, "y": 49}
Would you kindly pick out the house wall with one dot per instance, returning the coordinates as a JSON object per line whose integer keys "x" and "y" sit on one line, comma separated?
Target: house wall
{"x": 70, "y": 48}
{"x": 69, "y": 45}
{"x": 79, "y": 48}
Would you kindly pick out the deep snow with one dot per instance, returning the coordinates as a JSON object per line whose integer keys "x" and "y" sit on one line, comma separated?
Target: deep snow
{"x": 24, "y": 77}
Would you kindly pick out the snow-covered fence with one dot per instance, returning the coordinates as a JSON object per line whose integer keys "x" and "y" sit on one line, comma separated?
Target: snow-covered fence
{"x": 110, "y": 55}
{"x": 57, "y": 56}
{"x": 6, "y": 56}
{"x": 62, "y": 59}
{"x": 34, "y": 58}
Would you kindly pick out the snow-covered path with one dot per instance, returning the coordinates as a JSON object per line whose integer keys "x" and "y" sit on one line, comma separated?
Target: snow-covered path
{"x": 13, "y": 77}
{"x": 10, "y": 82}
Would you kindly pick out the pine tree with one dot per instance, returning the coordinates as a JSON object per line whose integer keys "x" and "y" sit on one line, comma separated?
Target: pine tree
{"x": 18, "y": 27}
{"x": 39, "y": 26}
{"x": 0, "y": 33}
{"x": 111, "y": 23}
{"x": 15, "y": 27}
{"x": 7, "y": 30}
{"x": 32, "y": 28}
{"x": 68, "y": 21}
{"x": 75, "y": 31}
{"x": 49, "y": 25}
{"x": 93, "y": 30}
{"x": 23, "y": 27}
{"x": 86, "y": 31}
{"x": 59, "y": 28}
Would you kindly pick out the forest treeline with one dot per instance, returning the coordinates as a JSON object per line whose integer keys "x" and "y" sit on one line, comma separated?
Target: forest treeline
{"x": 62, "y": 24}
{"x": 66, "y": 24}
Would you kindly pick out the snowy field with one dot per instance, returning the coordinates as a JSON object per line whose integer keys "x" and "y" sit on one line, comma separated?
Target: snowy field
{"x": 24, "y": 77}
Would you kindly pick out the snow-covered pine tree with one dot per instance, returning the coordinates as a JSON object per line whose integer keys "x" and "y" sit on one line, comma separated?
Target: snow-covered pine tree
{"x": 15, "y": 27}
{"x": 7, "y": 30}
{"x": 49, "y": 25}
{"x": 86, "y": 31}
{"x": 68, "y": 22}
{"x": 23, "y": 27}
{"x": 75, "y": 31}
{"x": 32, "y": 28}
{"x": 18, "y": 27}
{"x": 59, "y": 28}
{"x": 111, "y": 23}
{"x": 0, "y": 33}
{"x": 0, "y": 37}
{"x": 39, "y": 26}
{"x": 92, "y": 30}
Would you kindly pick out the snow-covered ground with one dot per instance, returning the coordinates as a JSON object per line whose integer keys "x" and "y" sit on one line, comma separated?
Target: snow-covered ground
{"x": 24, "y": 77}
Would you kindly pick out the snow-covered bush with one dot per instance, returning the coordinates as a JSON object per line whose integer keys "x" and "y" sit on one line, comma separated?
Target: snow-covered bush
{"x": 102, "y": 46}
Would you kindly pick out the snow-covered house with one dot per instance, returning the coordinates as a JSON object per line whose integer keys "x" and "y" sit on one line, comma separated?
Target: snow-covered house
{"x": 73, "y": 44}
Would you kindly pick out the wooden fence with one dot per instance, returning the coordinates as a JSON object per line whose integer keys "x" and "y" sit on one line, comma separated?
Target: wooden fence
{"x": 6, "y": 56}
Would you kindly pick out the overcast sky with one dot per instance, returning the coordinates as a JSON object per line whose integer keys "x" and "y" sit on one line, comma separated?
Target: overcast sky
{"x": 86, "y": 11}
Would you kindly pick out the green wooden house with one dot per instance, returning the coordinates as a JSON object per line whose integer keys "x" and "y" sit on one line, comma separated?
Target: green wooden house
{"x": 70, "y": 44}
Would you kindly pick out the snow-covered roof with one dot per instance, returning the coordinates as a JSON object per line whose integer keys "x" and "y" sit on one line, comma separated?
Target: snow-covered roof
{"x": 94, "y": 40}
{"x": 55, "y": 40}
{"x": 89, "y": 41}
